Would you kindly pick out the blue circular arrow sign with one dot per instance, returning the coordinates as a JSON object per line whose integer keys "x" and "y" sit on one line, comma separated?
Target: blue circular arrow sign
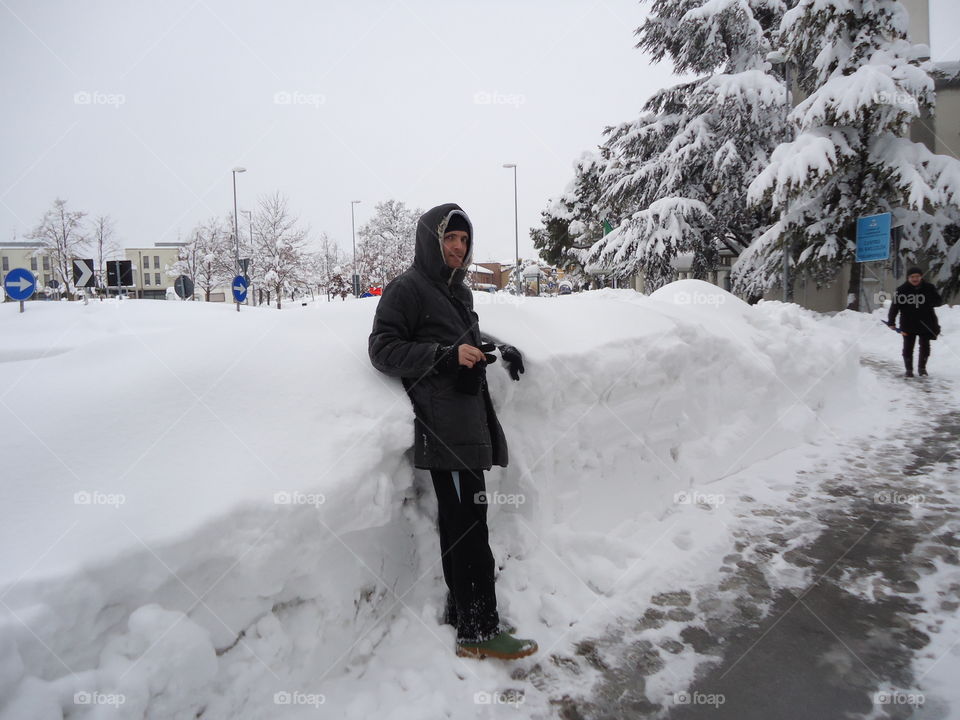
{"x": 239, "y": 286}
{"x": 20, "y": 284}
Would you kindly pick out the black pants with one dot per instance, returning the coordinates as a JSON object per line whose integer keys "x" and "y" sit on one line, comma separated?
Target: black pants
{"x": 908, "y": 343}
{"x": 468, "y": 565}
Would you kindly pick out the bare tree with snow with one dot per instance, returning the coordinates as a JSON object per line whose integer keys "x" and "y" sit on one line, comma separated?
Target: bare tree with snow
{"x": 207, "y": 259}
{"x": 62, "y": 235}
{"x": 105, "y": 246}
{"x": 386, "y": 244}
{"x": 279, "y": 245}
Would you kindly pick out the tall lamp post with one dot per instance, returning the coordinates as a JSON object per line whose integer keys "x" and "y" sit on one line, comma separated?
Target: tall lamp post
{"x": 236, "y": 231}
{"x": 353, "y": 231}
{"x": 516, "y": 226}
{"x": 778, "y": 57}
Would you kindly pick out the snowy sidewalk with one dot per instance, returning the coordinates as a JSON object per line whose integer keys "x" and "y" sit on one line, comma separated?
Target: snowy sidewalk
{"x": 839, "y": 602}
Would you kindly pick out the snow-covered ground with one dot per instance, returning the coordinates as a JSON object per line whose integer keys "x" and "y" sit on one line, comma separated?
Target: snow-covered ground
{"x": 211, "y": 513}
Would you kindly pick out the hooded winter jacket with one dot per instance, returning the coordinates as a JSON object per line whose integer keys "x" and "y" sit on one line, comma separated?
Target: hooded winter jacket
{"x": 916, "y": 307}
{"x": 425, "y": 308}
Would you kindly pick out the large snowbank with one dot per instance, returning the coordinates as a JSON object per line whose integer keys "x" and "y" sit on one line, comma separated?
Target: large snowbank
{"x": 202, "y": 508}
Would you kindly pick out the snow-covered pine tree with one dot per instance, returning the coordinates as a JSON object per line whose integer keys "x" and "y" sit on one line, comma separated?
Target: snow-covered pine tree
{"x": 570, "y": 223}
{"x": 865, "y": 83}
{"x": 677, "y": 176}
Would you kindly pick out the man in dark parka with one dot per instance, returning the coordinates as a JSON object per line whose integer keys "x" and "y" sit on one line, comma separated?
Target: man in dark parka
{"x": 426, "y": 332}
{"x": 915, "y": 301}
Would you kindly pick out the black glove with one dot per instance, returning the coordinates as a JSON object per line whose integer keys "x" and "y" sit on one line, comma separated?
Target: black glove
{"x": 514, "y": 360}
{"x": 486, "y": 349}
{"x": 470, "y": 380}
{"x": 447, "y": 358}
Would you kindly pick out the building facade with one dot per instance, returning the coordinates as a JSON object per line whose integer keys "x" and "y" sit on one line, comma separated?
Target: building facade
{"x": 153, "y": 268}
{"x": 29, "y": 256}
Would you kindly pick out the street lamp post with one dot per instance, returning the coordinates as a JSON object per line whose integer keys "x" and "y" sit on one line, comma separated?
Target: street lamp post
{"x": 516, "y": 226}
{"x": 236, "y": 231}
{"x": 353, "y": 231}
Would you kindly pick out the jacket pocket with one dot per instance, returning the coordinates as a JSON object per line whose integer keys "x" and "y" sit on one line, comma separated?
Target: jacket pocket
{"x": 459, "y": 419}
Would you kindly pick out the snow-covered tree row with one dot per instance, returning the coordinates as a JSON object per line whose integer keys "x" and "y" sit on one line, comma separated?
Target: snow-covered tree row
{"x": 281, "y": 261}
{"x": 720, "y": 163}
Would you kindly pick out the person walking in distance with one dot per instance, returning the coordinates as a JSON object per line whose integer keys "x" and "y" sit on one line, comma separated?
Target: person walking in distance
{"x": 426, "y": 332}
{"x": 915, "y": 301}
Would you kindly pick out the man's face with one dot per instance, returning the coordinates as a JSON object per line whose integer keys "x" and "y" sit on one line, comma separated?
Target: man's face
{"x": 915, "y": 279}
{"x": 455, "y": 248}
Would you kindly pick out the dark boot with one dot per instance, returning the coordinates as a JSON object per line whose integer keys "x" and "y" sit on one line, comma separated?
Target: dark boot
{"x": 449, "y": 612}
{"x": 908, "y": 364}
{"x": 923, "y": 355}
{"x": 450, "y": 617}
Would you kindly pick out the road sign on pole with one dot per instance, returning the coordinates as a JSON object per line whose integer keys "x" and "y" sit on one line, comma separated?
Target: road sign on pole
{"x": 873, "y": 237}
{"x": 83, "y": 273}
{"x": 119, "y": 274}
{"x": 183, "y": 286}
{"x": 239, "y": 286}
{"x": 20, "y": 284}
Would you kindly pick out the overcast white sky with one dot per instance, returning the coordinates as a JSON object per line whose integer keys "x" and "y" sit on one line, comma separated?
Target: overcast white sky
{"x": 418, "y": 100}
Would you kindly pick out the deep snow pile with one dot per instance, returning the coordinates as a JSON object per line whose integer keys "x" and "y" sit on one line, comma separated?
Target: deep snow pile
{"x": 211, "y": 510}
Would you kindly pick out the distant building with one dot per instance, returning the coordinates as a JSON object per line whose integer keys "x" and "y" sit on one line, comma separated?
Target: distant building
{"x": 152, "y": 268}
{"x": 25, "y": 255}
{"x": 484, "y": 277}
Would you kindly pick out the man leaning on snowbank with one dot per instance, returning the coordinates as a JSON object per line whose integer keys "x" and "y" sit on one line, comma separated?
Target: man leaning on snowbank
{"x": 426, "y": 333}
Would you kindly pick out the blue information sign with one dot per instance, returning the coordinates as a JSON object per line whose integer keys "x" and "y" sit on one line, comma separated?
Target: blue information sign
{"x": 239, "y": 285}
{"x": 20, "y": 284}
{"x": 873, "y": 237}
